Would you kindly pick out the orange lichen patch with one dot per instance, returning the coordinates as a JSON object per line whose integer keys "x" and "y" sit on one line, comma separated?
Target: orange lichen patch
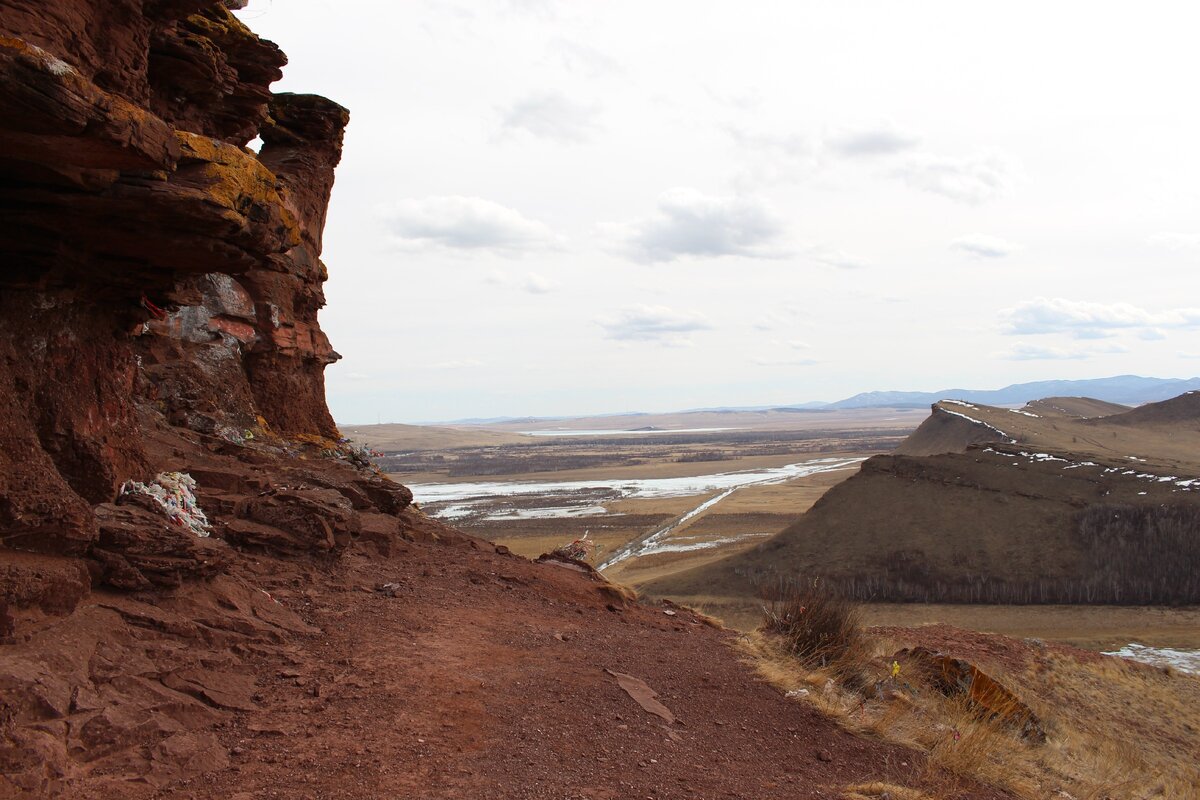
{"x": 239, "y": 181}
{"x": 45, "y": 60}
{"x": 13, "y": 43}
{"x": 227, "y": 25}
{"x": 75, "y": 123}
{"x": 315, "y": 439}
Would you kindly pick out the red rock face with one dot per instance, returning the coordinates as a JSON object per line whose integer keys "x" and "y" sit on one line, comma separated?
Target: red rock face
{"x": 159, "y": 290}
{"x": 153, "y": 268}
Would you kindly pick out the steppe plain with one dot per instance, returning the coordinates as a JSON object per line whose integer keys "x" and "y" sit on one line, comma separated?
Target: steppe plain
{"x": 592, "y": 476}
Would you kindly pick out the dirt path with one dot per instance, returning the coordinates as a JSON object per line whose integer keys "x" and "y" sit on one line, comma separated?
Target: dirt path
{"x": 484, "y": 676}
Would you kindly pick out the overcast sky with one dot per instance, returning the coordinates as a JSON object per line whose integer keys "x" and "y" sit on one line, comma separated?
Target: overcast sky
{"x": 574, "y": 207}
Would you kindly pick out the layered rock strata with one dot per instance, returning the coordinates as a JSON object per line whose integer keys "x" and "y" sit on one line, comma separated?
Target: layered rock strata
{"x": 159, "y": 290}
{"x": 153, "y": 264}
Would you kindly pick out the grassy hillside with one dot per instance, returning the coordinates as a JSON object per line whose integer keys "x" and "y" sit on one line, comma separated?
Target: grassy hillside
{"x": 994, "y": 505}
{"x": 1075, "y": 407}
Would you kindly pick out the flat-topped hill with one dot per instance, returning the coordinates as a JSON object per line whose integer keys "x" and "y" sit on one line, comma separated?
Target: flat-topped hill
{"x": 987, "y": 504}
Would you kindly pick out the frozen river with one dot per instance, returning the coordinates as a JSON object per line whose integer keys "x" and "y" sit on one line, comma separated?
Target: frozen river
{"x": 586, "y": 497}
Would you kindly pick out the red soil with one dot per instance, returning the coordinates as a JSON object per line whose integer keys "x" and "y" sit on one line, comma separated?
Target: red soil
{"x": 483, "y": 675}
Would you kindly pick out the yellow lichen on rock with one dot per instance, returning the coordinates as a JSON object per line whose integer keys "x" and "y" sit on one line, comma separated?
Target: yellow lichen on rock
{"x": 238, "y": 181}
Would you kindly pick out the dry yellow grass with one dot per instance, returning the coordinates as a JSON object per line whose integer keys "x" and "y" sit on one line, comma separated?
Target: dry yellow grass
{"x": 1115, "y": 730}
{"x": 878, "y": 790}
{"x": 395, "y": 436}
{"x": 1089, "y": 627}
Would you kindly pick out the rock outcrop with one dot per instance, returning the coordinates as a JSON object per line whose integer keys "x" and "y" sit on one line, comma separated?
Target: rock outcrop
{"x": 158, "y": 313}
{"x": 154, "y": 266}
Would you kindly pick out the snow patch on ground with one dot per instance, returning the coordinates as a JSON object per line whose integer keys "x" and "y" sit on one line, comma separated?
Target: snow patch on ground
{"x": 1186, "y": 484}
{"x": 677, "y": 545}
{"x": 1183, "y": 660}
{"x": 635, "y": 488}
{"x": 553, "y": 512}
{"x": 1010, "y": 439}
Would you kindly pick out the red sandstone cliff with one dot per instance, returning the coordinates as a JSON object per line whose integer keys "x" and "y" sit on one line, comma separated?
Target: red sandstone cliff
{"x": 125, "y": 188}
{"x": 159, "y": 290}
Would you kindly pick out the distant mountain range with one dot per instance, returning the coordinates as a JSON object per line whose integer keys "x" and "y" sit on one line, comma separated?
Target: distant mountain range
{"x": 1130, "y": 390}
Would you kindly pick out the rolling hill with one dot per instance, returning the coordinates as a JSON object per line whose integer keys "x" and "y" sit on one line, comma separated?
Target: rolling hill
{"x": 1075, "y": 407}
{"x": 986, "y": 504}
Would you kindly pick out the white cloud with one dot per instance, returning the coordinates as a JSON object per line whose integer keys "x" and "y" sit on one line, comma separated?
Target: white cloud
{"x": 792, "y": 154}
{"x": 984, "y": 246}
{"x": 879, "y": 140}
{"x": 550, "y": 115}
{"x": 767, "y": 361}
{"x": 971, "y": 180}
{"x": 689, "y": 223}
{"x": 739, "y": 98}
{"x": 537, "y": 284}
{"x": 545, "y": 9}
{"x": 793, "y": 359}
{"x": 1085, "y": 320}
{"x": 465, "y": 223}
{"x": 582, "y": 59}
{"x": 1024, "y": 351}
{"x": 459, "y": 363}
{"x": 1175, "y": 241}
{"x": 531, "y": 282}
{"x": 653, "y": 324}
{"x": 789, "y": 145}
{"x": 772, "y": 158}
{"x": 784, "y": 317}
{"x": 833, "y": 258}
{"x": 1032, "y": 352}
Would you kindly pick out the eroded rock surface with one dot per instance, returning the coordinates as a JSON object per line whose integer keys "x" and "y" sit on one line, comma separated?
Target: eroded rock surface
{"x": 153, "y": 264}
{"x": 158, "y": 312}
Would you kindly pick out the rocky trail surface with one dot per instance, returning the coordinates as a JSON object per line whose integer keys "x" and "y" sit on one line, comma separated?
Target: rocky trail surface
{"x": 461, "y": 672}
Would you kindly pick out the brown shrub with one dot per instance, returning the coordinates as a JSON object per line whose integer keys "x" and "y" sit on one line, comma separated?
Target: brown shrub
{"x": 816, "y": 625}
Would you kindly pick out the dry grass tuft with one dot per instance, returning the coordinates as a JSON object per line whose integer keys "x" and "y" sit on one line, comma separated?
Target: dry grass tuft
{"x": 617, "y": 593}
{"x": 879, "y": 791}
{"x": 711, "y": 620}
{"x": 817, "y": 627}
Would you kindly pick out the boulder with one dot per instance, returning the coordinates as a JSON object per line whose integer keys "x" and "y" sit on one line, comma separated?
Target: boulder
{"x": 957, "y": 677}
{"x": 139, "y": 548}
{"x": 297, "y": 520}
